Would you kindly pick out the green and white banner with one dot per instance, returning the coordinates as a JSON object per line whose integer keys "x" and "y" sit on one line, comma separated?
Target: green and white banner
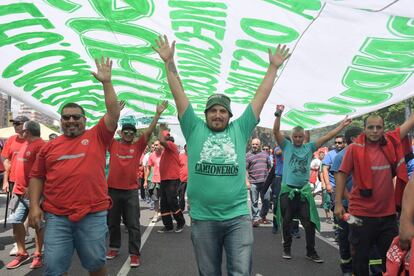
{"x": 348, "y": 57}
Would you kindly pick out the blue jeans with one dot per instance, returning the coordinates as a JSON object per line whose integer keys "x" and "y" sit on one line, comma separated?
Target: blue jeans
{"x": 209, "y": 238}
{"x": 257, "y": 190}
{"x": 88, "y": 236}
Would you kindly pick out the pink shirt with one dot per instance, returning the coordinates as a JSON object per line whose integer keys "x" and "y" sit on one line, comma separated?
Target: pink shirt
{"x": 154, "y": 162}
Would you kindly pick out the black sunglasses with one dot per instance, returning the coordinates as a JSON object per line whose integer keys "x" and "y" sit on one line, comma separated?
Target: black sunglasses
{"x": 339, "y": 143}
{"x": 76, "y": 117}
{"x": 131, "y": 132}
{"x": 17, "y": 123}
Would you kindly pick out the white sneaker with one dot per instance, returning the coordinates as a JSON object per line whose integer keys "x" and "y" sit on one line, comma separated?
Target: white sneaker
{"x": 13, "y": 251}
{"x": 155, "y": 219}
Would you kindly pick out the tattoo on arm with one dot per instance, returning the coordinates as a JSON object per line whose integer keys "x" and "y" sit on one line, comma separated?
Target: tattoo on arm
{"x": 173, "y": 69}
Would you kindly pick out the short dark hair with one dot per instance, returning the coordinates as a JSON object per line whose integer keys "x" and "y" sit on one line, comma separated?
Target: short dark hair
{"x": 352, "y": 132}
{"x": 339, "y": 136}
{"x": 33, "y": 128}
{"x": 298, "y": 129}
{"x": 72, "y": 105}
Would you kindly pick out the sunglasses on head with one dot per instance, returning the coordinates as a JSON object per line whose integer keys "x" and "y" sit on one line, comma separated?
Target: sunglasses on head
{"x": 76, "y": 117}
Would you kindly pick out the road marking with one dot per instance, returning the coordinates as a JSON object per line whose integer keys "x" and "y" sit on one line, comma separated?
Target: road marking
{"x": 331, "y": 243}
{"x": 318, "y": 235}
{"x": 126, "y": 267}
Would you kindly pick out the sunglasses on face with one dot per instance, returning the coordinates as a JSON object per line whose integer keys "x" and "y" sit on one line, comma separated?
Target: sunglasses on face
{"x": 339, "y": 143}
{"x": 128, "y": 132}
{"x": 75, "y": 117}
{"x": 17, "y": 123}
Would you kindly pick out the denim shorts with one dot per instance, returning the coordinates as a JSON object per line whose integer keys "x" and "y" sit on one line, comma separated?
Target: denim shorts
{"x": 62, "y": 236}
{"x": 19, "y": 215}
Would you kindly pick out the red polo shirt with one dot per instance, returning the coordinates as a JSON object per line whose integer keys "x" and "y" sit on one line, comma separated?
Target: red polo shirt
{"x": 73, "y": 169}
{"x": 124, "y": 163}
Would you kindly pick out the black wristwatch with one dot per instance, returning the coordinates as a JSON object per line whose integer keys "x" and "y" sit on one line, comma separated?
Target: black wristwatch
{"x": 278, "y": 113}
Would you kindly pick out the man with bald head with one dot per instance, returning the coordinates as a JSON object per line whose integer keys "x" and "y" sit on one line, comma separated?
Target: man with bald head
{"x": 257, "y": 169}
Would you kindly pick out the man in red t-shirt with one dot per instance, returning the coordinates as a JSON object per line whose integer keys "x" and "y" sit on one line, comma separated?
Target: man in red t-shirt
{"x": 123, "y": 187}
{"x": 183, "y": 157}
{"x": 371, "y": 199}
{"x": 10, "y": 151}
{"x": 170, "y": 179}
{"x": 19, "y": 211}
{"x": 69, "y": 173}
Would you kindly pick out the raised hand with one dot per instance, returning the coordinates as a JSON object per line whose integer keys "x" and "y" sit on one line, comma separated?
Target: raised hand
{"x": 164, "y": 49}
{"x": 161, "y": 107}
{"x": 121, "y": 104}
{"x": 346, "y": 122}
{"x": 281, "y": 54}
{"x": 104, "y": 70}
{"x": 280, "y": 108}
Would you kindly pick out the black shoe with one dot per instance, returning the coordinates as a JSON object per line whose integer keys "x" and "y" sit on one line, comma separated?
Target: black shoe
{"x": 314, "y": 257}
{"x": 179, "y": 228}
{"x": 286, "y": 254}
{"x": 165, "y": 230}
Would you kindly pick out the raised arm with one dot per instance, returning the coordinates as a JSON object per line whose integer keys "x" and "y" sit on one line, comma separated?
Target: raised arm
{"x": 407, "y": 126}
{"x": 331, "y": 134}
{"x": 275, "y": 61}
{"x": 159, "y": 110}
{"x": 276, "y": 125}
{"x": 104, "y": 75}
{"x": 166, "y": 53}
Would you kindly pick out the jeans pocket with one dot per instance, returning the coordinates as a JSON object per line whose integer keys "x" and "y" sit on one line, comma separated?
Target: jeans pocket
{"x": 245, "y": 218}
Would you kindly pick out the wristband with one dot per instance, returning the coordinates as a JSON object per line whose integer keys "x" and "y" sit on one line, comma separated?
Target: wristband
{"x": 278, "y": 113}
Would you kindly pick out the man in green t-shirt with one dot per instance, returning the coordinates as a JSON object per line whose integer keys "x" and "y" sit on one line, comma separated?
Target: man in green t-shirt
{"x": 296, "y": 198}
{"x": 216, "y": 169}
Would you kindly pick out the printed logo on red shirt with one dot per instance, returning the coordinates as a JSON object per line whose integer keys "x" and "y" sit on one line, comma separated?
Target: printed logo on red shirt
{"x": 85, "y": 142}
{"x": 28, "y": 153}
{"x": 131, "y": 150}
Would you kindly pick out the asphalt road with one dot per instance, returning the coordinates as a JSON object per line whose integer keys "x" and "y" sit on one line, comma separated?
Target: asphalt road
{"x": 171, "y": 254}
